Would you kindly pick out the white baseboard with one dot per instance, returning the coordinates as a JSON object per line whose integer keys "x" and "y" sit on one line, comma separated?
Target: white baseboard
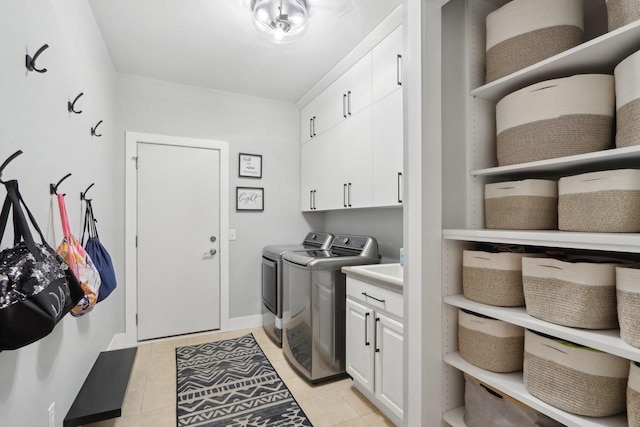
{"x": 117, "y": 342}
{"x": 246, "y": 322}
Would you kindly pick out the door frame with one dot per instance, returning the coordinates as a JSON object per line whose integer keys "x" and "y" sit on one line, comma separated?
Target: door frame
{"x": 131, "y": 230}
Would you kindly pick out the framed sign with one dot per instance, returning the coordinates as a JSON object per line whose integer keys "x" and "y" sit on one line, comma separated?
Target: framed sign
{"x": 249, "y": 199}
{"x": 250, "y": 165}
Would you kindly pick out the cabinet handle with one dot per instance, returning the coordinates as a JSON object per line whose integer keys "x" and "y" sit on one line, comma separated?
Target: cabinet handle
{"x": 314, "y": 199}
{"x": 310, "y": 128}
{"x": 399, "y": 187}
{"x": 311, "y": 199}
{"x": 366, "y": 295}
{"x": 376, "y": 334}
{"x": 344, "y": 105}
{"x": 313, "y": 125}
{"x": 349, "y": 195}
{"x": 344, "y": 195}
{"x": 399, "y": 70}
{"x": 349, "y": 102}
{"x": 366, "y": 332}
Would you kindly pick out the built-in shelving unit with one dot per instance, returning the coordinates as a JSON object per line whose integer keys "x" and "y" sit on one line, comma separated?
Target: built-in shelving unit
{"x": 469, "y": 162}
{"x": 599, "y": 55}
{"x": 513, "y": 385}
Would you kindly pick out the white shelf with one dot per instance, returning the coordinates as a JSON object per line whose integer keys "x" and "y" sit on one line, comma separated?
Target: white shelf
{"x": 614, "y": 242}
{"x": 607, "y": 340}
{"x": 455, "y": 417}
{"x": 599, "y": 55}
{"x": 566, "y": 165}
{"x": 513, "y": 385}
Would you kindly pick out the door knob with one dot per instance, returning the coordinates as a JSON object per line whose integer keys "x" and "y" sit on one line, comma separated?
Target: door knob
{"x": 212, "y": 239}
{"x": 211, "y": 252}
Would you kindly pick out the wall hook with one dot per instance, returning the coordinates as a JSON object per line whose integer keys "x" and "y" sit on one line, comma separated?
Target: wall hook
{"x": 83, "y": 194}
{"x": 71, "y": 105}
{"x": 93, "y": 130}
{"x": 6, "y": 162}
{"x": 31, "y": 61}
{"x": 53, "y": 188}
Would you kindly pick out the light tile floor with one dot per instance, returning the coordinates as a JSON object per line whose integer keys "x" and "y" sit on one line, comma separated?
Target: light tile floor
{"x": 151, "y": 396}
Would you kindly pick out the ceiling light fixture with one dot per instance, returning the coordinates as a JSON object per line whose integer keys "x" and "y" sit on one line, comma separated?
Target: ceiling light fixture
{"x": 280, "y": 21}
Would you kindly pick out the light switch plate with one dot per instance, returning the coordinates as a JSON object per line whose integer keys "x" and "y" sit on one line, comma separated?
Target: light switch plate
{"x": 232, "y": 234}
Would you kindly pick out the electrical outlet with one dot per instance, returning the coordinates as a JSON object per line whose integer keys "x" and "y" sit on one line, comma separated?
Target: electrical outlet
{"x": 52, "y": 414}
{"x": 232, "y": 234}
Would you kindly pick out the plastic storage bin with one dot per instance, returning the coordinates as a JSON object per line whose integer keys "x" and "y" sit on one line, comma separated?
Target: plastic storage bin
{"x": 627, "y": 82}
{"x": 531, "y": 204}
{"x": 574, "y": 378}
{"x": 576, "y": 294}
{"x": 556, "y": 118}
{"x": 605, "y": 202}
{"x": 488, "y": 343}
{"x": 524, "y": 32}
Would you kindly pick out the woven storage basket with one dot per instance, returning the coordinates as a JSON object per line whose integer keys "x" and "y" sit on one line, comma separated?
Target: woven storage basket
{"x": 524, "y": 32}
{"x": 633, "y": 395}
{"x": 580, "y": 295}
{"x": 627, "y": 76}
{"x": 574, "y": 378}
{"x": 622, "y": 12}
{"x": 488, "y": 343}
{"x": 486, "y": 406}
{"x": 628, "y": 297}
{"x": 493, "y": 278}
{"x": 531, "y": 204}
{"x": 604, "y": 202}
{"x": 556, "y": 118}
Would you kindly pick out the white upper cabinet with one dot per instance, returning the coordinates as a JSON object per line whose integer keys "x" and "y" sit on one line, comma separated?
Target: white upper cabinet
{"x": 355, "y": 154}
{"x": 355, "y": 88}
{"x": 387, "y": 150}
{"x": 386, "y": 60}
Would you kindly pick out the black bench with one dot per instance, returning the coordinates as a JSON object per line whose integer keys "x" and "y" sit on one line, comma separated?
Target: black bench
{"x": 102, "y": 393}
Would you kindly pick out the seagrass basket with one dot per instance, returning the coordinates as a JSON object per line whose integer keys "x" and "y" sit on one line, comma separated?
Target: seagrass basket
{"x": 627, "y": 77}
{"x": 493, "y": 278}
{"x": 622, "y": 12}
{"x": 576, "y": 294}
{"x": 556, "y": 118}
{"x": 488, "y": 343}
{"x": 524, "y": 32}
{"x": 604, "y": 202}
{"x": 574, "y": 378}
{"x": 633, "y": 395}
{"x": 531, "y": 204}
{"x": 628, "y": 297}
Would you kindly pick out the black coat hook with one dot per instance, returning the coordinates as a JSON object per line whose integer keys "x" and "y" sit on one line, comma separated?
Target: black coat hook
{"x": 71, "y": 105}
{"x": 53, "y": 188}
{"x": 6, "y": 162}
{"x": 31, "y": 61}
{"x": 83, "y": 194}
{"x": 93, "y": 130}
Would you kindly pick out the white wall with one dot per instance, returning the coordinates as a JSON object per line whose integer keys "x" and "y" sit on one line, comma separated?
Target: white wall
{"x": 385, "y": 224}
{"x": 33, "y": 117}
{"x": 250, "y": 125}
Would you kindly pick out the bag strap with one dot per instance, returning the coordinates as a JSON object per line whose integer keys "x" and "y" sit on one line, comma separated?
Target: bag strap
{"x": 89, "y": 222}
{"x": 21, "y": 226}
{"x": 4, "y": 215}
{"x": 64, "y": 218}
{"x": 94, "y": 221}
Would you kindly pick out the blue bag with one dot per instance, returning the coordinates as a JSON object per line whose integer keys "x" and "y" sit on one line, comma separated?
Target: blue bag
{"x": 99, "y": 255}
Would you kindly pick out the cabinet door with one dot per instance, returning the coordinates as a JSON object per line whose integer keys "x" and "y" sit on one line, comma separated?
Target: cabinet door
{"x": 329, "y": 109}
{"x": 307, "y": 175}
{"x": 356, "y": 159}
{"x": 355, "y": 83}
{"x": 306, "y": 120}
{"x": 388, "y": 363}
{"x": 360, "y": 342}
{"x": 386, "y": 65}
{"x": 327, "y": 179}
{"x": 387, "y": 150}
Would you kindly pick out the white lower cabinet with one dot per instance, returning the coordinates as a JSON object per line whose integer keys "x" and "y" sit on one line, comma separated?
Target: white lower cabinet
{"x": 374, "y": 337}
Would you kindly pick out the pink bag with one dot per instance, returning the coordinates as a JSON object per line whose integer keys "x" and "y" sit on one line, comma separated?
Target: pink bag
{"x": 80, "y": 264}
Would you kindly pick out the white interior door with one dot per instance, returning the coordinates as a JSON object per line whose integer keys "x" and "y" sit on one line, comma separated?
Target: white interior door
{"x": 178, "y": 240}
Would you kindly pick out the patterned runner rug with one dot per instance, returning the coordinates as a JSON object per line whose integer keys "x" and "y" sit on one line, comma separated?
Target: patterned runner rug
{"x": 231, "y": 383}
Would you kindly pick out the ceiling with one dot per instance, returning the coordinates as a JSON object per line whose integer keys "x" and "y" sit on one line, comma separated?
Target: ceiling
{"x": 212, "y": 43}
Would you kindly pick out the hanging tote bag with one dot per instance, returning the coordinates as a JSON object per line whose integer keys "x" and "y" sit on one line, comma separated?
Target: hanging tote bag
{"x": 36, "y": 287}
{"x": 98, "y": 253}
{"x": 80, "y": 264}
